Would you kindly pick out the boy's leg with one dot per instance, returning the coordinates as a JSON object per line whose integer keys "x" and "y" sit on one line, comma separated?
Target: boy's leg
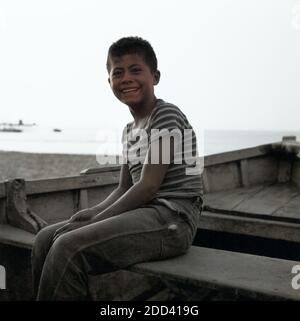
{"x": 41, "y": 247}
{"x": 144, "y": 234}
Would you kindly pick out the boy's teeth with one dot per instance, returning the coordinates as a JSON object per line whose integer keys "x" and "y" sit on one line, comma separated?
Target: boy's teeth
{"x": 129, "y": 90}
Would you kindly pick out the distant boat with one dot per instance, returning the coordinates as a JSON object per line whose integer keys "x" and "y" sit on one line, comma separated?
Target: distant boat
{"x": 57, "y": 130}
{"x": 14, "y": 127}
{"x": 10, "y": 129}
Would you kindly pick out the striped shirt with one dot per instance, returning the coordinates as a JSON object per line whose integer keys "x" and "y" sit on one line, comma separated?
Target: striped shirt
{"x": 166, "y": 122}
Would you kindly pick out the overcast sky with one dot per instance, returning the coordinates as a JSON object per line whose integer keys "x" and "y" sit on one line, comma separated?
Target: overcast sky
{"x": 227, "y": 64}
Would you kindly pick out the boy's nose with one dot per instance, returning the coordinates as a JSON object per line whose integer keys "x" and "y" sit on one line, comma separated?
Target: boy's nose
{"x": 126, "y": 78}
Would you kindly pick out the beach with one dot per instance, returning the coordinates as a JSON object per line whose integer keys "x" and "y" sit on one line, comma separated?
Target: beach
{"x": 38, "y": 165}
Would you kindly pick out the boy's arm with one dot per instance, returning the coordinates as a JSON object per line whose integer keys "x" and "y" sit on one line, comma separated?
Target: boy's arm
{"x": 87, "y": 216}
{"x": 143, "y": 191}
{"x": 137, "y": 195}
{"x": 125, "y": 183}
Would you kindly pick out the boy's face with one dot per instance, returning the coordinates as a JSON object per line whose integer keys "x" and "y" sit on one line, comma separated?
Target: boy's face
{"x": 131, "y": 80}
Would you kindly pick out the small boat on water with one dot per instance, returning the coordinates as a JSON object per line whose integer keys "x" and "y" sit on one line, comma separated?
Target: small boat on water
{"x": 10, "y": 130}
{"x": 251, "y": 205}
{"x": 57, "y": 130}
{"x": 14, "y": 127}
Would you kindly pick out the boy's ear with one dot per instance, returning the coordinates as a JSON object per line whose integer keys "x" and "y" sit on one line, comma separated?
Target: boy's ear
{"x": 156, "y": 77}
{"x": 108, "y": 80}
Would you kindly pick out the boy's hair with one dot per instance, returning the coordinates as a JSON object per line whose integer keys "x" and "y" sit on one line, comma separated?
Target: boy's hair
{"x": 133, "y": 45}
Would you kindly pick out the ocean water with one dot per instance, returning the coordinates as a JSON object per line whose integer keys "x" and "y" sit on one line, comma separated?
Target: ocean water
{"x": 97, "y": 141}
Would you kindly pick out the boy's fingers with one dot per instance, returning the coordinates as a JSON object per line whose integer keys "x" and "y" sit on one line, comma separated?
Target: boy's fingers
{"x": 55, "y": 237}
{"x": 73, "y": 217}
{"x": 66, "y": 228}
{"x": 61, "y": 229}
{"x": 76, "y": 217}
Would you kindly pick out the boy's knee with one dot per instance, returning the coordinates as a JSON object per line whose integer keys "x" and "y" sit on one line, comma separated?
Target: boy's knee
{"x": 44, "y": 235}
{"x": 43, "y": 241}
{"x": 63, "y": 245}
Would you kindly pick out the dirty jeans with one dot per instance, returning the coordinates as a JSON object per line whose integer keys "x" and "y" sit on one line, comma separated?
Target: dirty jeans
{"x": 152, "y": 232}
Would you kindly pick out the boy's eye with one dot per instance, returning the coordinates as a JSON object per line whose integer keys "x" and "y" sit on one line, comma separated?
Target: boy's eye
{"x": 136, "y": 70}
{"x": 117, "y": 73}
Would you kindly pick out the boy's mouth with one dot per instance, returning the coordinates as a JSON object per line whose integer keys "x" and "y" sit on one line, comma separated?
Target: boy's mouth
{"x": 129, "y": 90}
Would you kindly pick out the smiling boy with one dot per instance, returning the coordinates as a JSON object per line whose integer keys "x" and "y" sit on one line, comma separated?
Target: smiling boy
{"x": 153, "y": 212}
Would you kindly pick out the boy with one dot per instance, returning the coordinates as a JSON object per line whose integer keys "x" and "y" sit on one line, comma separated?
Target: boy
{"x": 153, "y": 212}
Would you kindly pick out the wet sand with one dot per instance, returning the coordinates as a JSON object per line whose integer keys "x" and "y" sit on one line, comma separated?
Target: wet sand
{"x": 38, "y": 166}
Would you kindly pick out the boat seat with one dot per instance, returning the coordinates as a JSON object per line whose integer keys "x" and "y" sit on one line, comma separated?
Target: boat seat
{"x": 10, "y": 235}
{"x": 253, "y": 276}
{"x": 246, "y": 275}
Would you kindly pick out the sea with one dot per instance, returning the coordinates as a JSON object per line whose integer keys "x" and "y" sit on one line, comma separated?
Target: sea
{"x": 107, "y": 141}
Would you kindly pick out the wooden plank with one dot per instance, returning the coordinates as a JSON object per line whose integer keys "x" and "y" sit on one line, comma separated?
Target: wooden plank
{"x": 237, "y": 155}
{"x": 2, "y": 190}
{"x": 101, "y": 170}
{"x": 274, "y": 230}
{"x": 3, "y": 218}
{"x": 121, "y": 285}
{"x": 290, "y": 210}
{"x": 205, "y": 182}
{"x": 244, "y": 172}
{"x": 268, "y": 200}
{"x": 284, "y": 170}
{"x": 54, "y": 207}
{"x": 98, "y": 194}
{"x": 295, "y": 177}
{"x": 10, "y": 235}
{"x": 224, "y": 176}
{"x": 58, "y": 206}
{"x": 71, "y": 183}
{"x": 262, "y": 170}
{"x": 229, "y": 199}
{"x": 245, "y": 274}
{"x": 83, "y": 199}
{"x": 3, "y": 201}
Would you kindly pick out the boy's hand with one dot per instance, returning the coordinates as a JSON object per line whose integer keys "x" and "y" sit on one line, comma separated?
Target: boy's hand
{"x": 83, "y": 215}
{"x": 69, "y": 227}
{"x": 77, "y": 220}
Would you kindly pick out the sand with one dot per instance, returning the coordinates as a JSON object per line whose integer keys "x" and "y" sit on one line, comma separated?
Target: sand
{"x": 38, "y": 166}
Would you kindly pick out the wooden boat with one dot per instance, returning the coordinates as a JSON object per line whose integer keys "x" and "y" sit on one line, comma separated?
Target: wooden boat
{"x": 251, "y": 205}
